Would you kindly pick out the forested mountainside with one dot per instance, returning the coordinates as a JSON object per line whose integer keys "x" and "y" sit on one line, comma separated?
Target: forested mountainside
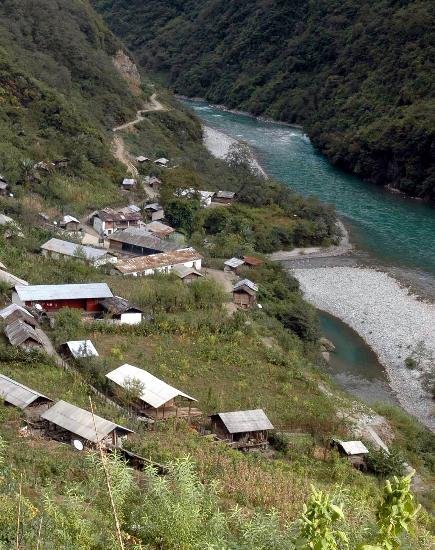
{"x": 358, "y": 75}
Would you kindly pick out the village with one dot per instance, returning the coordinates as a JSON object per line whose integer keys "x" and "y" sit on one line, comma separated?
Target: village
{"x": 130, "y": 241}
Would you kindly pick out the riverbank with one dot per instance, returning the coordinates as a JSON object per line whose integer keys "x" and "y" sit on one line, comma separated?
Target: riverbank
{"x": 392, "y": 321}
{"x": 219, "y": 144}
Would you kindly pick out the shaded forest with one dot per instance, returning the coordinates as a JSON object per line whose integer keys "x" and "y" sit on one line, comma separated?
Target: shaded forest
{"x": 358, "y": 75}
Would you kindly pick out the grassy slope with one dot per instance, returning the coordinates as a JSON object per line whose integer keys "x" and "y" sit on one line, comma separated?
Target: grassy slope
{"x": 358, "y": 75}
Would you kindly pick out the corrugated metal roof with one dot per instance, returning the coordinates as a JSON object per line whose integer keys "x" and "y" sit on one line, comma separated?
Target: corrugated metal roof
{"x": 68, "y": 248}
{"x": 252, "y": 260}
{"x": 245, "y": 283}
{"x": 182, "y": 271}
{"x": 19, "y": 332}
{"x": 156, "y": 392}
{"x": 158, "y": 228}
{"x": 225, "y": 194}
{"x": 13, "y": 308}
{"x": 82, "y": 348}
{"x": 234, "y": 262}
{"x": 353, "y": 447}
{"x": 153, "y": 206}
{"x": 129, "y": 181}
{"x": 68, "y": 219}
{"x": 138, "y": 236}
{"x": 155, "y": 261}
{"x": 12, "y": 280}
{"x": 133, "y": 208}
{"x": 117, "y": 305}
{"x": 80, "y": 422}
{"x": 245, "y": 421}
{"x": 161, "y": 160}
{"x": 123, "y": 214}
{"x": 17, "y": 394}
{"x": 35, "y": 293}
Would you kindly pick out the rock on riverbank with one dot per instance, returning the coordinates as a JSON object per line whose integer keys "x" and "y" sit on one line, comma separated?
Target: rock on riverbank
{"x": 390, "y": 319}
{"x": 218, "y": 144}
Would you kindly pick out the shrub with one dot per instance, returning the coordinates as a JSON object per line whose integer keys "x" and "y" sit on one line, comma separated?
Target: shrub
{"x": 385, "y": 464}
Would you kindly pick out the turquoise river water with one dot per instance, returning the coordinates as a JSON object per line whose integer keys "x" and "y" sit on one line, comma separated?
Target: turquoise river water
{"x": 387, "y": 229}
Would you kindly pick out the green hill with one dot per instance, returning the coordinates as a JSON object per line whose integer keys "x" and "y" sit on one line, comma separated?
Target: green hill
{"x": 358, "y": 75}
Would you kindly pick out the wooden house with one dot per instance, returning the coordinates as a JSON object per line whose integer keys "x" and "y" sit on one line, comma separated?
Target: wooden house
{"x": 108, "y": 220}
{"x": 14, "y": 312}
{"x": 67, "y": 422}
{"x": 157, "y": 399}
{"x": 128, "y": 183}
{"x": 242, "y": 429}
{"x": 187, "y": 274}
{"x": 16, "y": 394}
{"x": 139, "y": 241}
{"x": 245, "y": 293}
{"x": 86, "y": 297}
{"x": 224, "y": 197}
{"x": 159, "y": 263}
{"x": 154, "y": 211}
{"x": 69, "y": 223}
{"x": 120, "y": 310}
{"x": 355, "y": 451}
{"x": 23, "y": 336}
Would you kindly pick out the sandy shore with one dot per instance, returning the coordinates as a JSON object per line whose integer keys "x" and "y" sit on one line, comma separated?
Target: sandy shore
{"x": 390, "y": 319}
{"x": 218, "y": 144}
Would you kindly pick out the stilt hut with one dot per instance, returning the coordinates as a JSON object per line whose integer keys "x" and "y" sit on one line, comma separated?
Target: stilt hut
{"x": 242, "y": 429}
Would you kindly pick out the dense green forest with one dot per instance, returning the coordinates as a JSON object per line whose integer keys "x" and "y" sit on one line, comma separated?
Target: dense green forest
{"x": 358, "y": 75}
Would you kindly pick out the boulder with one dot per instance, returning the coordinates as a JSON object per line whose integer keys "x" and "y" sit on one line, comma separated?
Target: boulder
{"x": 326, "y": 344}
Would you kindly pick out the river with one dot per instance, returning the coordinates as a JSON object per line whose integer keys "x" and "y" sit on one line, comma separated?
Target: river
{"x": 388, "y": 230}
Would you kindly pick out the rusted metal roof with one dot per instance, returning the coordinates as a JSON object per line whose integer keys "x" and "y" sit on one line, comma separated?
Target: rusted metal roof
{"x": 252, "y": 260}
{"x": 245, "y": 421}
{"x": 160, "y": 229}
{"x": 155, "y": 392}
{"x": 141, "y": 237}
{"x": 35, "y": 293}
{"x": 17, "y": 394}
{"x": 19, "y": 332}
{"x": 111, "y": 215}
{"x": 155, "y": 261}
{"x": 81, "y": 422}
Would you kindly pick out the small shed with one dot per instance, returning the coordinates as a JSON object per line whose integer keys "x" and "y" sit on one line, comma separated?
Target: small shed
{"x": 152, "y": 181}
{"x": 128, "y": 183}
{"x": 224, "y": 197}
{"x": 355, "y": 451}
{"x": 79, "y": 349}
{"x": 58, "y": 248}
{"x": 157, "y": 399}
{"x": 233, "y": 264}
{"x": 67, "y": 422}
{"x": 243, "y": 429}
{"x": 69, "y": 223}
{"x": 18, "y": 395}
{"x": 252, "y": 261}
{"x": 162, "y": 162}
{"x": 120, "y": 310}
{"x": 141, "y": 159}
{"x": 14, "y": 312}
{"x": 154, "y": 211}
{"x": 245, "y": 293}
{"x": 160, "y": 229}
{"x": 22, "y": 335}
{"x": 187, "y": 274}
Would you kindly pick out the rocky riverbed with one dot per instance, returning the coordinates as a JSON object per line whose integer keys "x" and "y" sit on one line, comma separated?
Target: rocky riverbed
{"x": 391, "y": 320}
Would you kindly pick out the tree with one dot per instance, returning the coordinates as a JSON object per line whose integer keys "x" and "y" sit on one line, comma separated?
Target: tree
{"x": 131, "y": 391}
{"x": 386, "y": 463}
{"x": 180, "y": 213}
{"x": 67, "y": 324}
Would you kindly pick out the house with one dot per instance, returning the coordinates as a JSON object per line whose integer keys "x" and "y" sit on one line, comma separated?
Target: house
{"x": 67, "y": 422}
{"x": 233, "y": 264}
{"x": 243, "y": 429}
{"x": 19, "y": 395}
{"x": 154, "y": 211}
{"x": 11, "y": 280}
{"x": 245, "y": 293}
{"x": 157, "y": 399}
{"x": 108, "y": 220}
{"x": 355, "y": 451}
{"x": 152, "y": 181}
{"x": 22, "y": 335}
{"x": 187, "y": 274}
{"x": 163, "y": 162}
{"x": 79, "y": 349}
{"x": 252, "y": 261}
{"x": 159, "y": 229}
{"x": 13, "y": 312}
{"x": 159, "y": 263}
{"x": 69, "y": 223}
{"x": 141, "y": 159}
{"x": 86, "y": 296}
{"x": 128, "y": 183}
{"x": 138, "y": 241}
{"x": 224, "y": 197}
{"x": 205, "y": 197}
{"x": 57, "y": 248}
{"x": 120, "y": 310}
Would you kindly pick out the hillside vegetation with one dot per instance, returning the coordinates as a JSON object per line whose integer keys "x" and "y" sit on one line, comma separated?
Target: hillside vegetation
{"x": 358, "y": 75}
